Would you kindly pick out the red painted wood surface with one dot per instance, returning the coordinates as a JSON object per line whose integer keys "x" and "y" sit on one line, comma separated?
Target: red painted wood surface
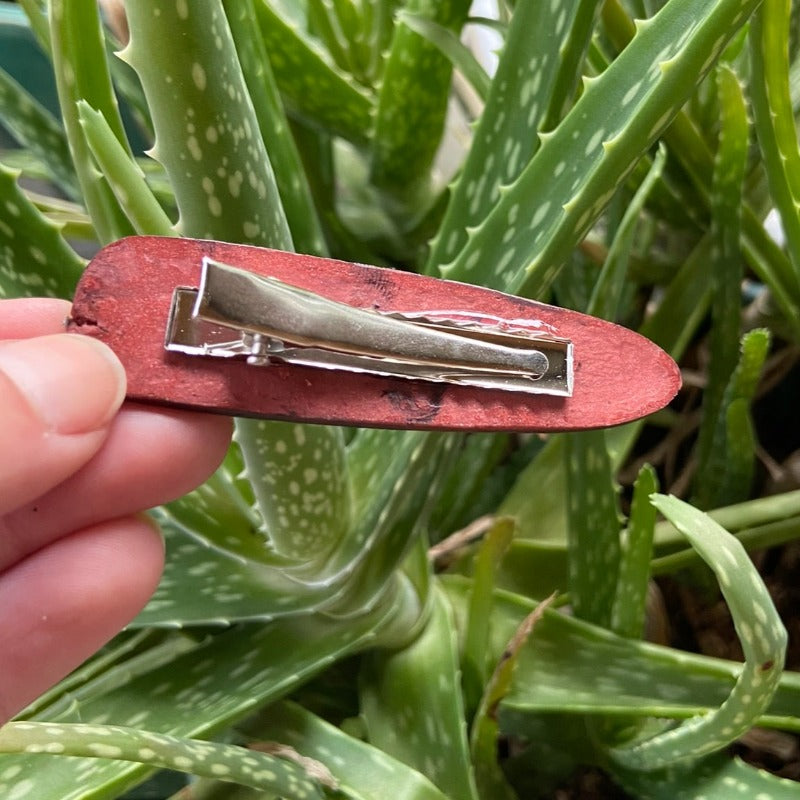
{"x": 124, "y": 299}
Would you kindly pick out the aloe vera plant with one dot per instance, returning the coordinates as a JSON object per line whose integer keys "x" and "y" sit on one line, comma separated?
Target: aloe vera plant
{"x": 621, "y": 160}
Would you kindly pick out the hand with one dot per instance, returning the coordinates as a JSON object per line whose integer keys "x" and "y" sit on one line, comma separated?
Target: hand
{"x": 77, "y": 560}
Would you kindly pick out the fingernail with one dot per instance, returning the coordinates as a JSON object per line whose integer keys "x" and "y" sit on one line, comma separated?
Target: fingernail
{"x": 74, "y": 384}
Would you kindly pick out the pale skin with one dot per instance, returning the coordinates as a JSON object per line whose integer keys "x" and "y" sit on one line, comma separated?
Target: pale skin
{"x": 78, "y": 559}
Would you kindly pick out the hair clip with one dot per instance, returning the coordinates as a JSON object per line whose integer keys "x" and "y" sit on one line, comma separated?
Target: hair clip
{"x": 248, "y": 331}
{"x": 238, "y": 314}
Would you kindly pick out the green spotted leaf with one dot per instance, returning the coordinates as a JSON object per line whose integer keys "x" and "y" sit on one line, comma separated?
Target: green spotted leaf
{"x": 123, "y": 175}
{"x": 312, "y": 86}
{"x": 299, "y": 477}
{"x": 363, "y": 772}
{"x": 760, "y": 631}
{"x": 219, "y": 680}
{"x": 34, "y": 257}
{"x": 571, "y": 667}
{"x": 578, "y": 167}
{"x": 606, "y": 298}
{"x": 215, "y": 536}
{"x": 728, "y": 469}
{"x": 411, "y": 105}
{"x": 211, "y": 759}
{"x": 713, "y": 778}
{"x": 538, "y": 498}
{"x": 82, "y": 73}
{"x": 505, "y": 138}
{"x": 726, "y": 198}
{"x": 36, "y": 128}
{"x": 774, "y": 119}
{"x": 416, "y": 691}
{"x": 630, "y": 601}
{"x": 593, "y": 527}
{"x": 207, "y": 134}
{"x": 290, "y": 178}
{"x": 208, "y": 138}
{"x": 451, "y": 46}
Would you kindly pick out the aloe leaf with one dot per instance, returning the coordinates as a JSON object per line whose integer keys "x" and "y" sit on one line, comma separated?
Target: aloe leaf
{"x": 37, "y": 19}
{"x": 237, "y": 575}
{"x": 537, "y": 499}
{"x": 125, "y": 657}
{"x": 207, "y": 585}
{"x": 726, "y": 199}
{"x": 686, "y": 301}
{"x": 289, "y": 174}
{"x": 608, "y": 290}
{"x": 123, "y": 175}
{"x": 593, "y": 533}
{"x": 461, "y": 57}
{"x": 392, "y": 526}
{"x": 129, "y": 90}
{"x": 749, "y": 521}
{"x": 367, "y": 28}
{"x": 207, "y": 135}
{"x": 385, "y": 468}
{"x": 774, "y": 119}
{"x": 34, "y": 257}
{"x": 81, "y": 70}
{"x": 474, "y": 659}
{"x": 208, "y": 140}
{"x": 417, "y": 690}
{"x": 411, "y": 105}
{"x": 535, "y": 569}
{"x": 572, "y": 667}
{"x": 325, "y": 24}
{"x": 714, "y": 778}
{"x": 222, "y": 512}
{"x": 485, "y": 466}
{"x": 299, "y": 476}
{"x": 369, "y": 454}
{"x": 630, "y": 601}
{"x": 382, "y": 523}
{"x": 312, "y": 87}
{"x": 687, "y": 145}
{"x": 348, "y": 30}
{"x": 728, "y": 470}
{"x": 759, "y": 537}
{"x": 760, "y": 631}
{"x": 539, "y": 568}
{"x": 210, "y": 759}
{"x": 63, "y": 212}
{"x": 216, "y": 683}
{"x": 505, "y": 138}
{"x": 36, "y": 129}
{"x": 572, "y": 55}
{"x": 578, "y": 167}
{"x": 483, "y": 740}
{"x": 363, "y": 772}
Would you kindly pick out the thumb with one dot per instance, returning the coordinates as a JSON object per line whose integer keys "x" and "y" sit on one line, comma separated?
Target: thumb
{"x": 57, "y": 396}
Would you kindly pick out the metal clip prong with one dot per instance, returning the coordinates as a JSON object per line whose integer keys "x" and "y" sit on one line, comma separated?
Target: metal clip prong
{"x": 238, "y": 314}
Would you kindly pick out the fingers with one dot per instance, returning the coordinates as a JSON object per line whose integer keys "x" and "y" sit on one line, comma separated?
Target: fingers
{"x": 63, "y": 603}
{"x": 58, "y": 394}
{"x": 150, "y": 457}
{"x": 35, "y": 316}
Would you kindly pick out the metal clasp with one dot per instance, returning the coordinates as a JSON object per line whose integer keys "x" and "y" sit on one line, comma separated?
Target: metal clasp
{"x": 238, "y": 314}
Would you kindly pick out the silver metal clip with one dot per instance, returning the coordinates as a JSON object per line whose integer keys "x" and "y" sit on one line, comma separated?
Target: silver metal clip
{"x": 238, "y": 314}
